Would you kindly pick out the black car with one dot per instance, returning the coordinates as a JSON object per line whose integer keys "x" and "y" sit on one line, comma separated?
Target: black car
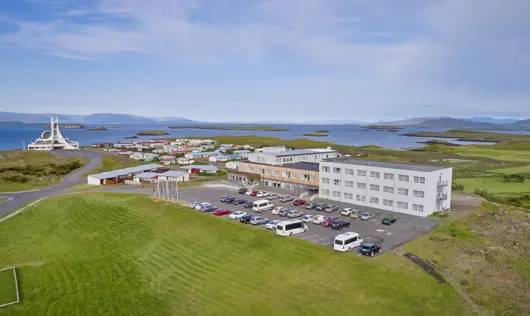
{"x": 370, "y": 249}
{"x": 242, "y": 191}
{"x": 389, "y": 220}
{"x": 245, "y": 219}
{"x": 224, "y": 197}
{"x": 230, "y": 199}
{"x": 338, "y": 225}
{"x": 239, "y": 202}
{"x": 248, "y": 204}
{"x": 311, "y": 206}
{"x": 320, "y": 207}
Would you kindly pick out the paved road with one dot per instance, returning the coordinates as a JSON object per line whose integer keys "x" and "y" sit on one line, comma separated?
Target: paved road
{"x": 16, "y": 200}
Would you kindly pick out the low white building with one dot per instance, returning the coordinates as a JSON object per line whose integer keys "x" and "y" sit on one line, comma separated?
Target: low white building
{"x": 232, "y": 165}
{"x": 406, "y": 188}
{"x": 174, "y": 176}
{"x": 146, "y": 177}
{"x": 185, "y": 161}
{"x": 271, "y": 149}
{"x": 137, "y": 156}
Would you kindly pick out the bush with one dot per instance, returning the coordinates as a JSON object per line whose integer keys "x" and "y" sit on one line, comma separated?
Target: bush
{"x": 516, "y": 177}
{"x": 457, "y": 187}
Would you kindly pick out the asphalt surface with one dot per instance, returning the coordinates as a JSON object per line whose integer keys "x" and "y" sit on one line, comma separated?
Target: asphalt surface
{"x": 16, "y": 200}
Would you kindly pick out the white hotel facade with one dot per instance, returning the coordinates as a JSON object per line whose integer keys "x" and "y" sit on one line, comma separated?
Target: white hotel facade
{"x": 405, "y": 188}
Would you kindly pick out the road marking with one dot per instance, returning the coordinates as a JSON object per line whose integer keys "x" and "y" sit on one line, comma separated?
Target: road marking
{"x": 309, "y": 237}
{"x": 320, "y": 239}
{"x": 328, "y": 243}
{"x": 380, "y": 230}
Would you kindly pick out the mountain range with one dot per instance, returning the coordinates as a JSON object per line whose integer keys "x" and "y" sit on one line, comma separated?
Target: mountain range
{"x": 96, "y": 118}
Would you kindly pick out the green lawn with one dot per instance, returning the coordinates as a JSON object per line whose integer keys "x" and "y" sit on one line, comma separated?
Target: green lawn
{"x": 495, "y": 185}
{"x": 521, "y": 169}
{"x": 119, "y": 254}
{"x": 492, "y": 152}
{"x": 113, "y": 162}
{"x": 8, "y": 291}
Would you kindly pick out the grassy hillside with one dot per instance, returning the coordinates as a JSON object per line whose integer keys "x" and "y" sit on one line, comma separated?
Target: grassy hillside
{"x": 110, "y": 254}
{"x": 30, "y": 170}
{"x": 476, "y": 136}
{"x": 113, "y": 162}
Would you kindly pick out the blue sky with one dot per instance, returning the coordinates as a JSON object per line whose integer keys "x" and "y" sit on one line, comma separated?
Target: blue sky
{"x": 296, "y": 60}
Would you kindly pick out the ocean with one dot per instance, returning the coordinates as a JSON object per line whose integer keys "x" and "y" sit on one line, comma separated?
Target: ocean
{"x": 14, "y": 136}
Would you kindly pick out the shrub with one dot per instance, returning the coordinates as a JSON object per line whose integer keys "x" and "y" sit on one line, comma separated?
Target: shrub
{"x": 457, "y": 187}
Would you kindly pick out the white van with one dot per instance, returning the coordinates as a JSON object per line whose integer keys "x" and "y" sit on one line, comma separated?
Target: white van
{"x": 262, "y": 205}
{"x": 347, "y": 241}
{"x": 288, "y": 228}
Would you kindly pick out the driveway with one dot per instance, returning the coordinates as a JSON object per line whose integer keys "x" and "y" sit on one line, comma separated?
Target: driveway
{"x": 15, "y": 200}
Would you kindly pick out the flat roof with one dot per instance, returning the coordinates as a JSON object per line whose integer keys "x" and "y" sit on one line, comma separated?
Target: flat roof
{"x": 124, "y": 172}
{"x": 173, "y": 173}
{"x": 297, "y": 152}
{"x": 202, "y": 167}
{"x": 384, "y": 164}
{"x": 147, "y": 175}
{"x": 311, "y": 166}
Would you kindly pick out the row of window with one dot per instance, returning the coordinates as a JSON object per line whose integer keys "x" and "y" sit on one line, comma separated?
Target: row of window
{"x": 285, "y": 174}
{"x": 375, "y": 187}
{"x": 374, "y": 174}
{"x": 375, "y": 200}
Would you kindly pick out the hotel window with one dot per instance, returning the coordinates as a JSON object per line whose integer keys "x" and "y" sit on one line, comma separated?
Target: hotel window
{"x": 388, "y": 202}
{"x": 419, "y": 194}
{"x": 417, "y": 207}
{"x": 361, "y": 173}
{"x": 250, "y": 169}
{"x": 311, "y": 178}
{"x": 293, "y": 175}
{"x": 403, "y": 205}
{"x": 325, "y": 180}
{"x": 348, "y": 196}
{"x": 276, "y": 173}
{"x": 374, "y": 174}
{"x": 336, "y": 170}
{"x": 267, "y": 171}
{"x": 361, "y": 185}
{"x": 374, "y": 187}
{"x": 388, "y": 189}
{"x": 325, "y": 169}
{"x": 348, "y": 171}
{"x": 260, "y": 170}
{"x": 324, "y": 192}
{"x": 419, "y": 179}
{"x": 403, "y": 177}
{"x": 336, "y": 193}
{"x": 285, "y": 174}
{"x": 336, "y": 182}
{"x": 348, "y": 184}
{"x": 361, "y": 198}
{"x": 374, "y": 200}
{"x": 402, "y": 191}
{"x": 389, "y": 176}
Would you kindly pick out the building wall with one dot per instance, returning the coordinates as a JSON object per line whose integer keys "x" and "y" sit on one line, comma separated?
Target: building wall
{"x": 338, "y": 189}
{"x": 273, "y": 160}
{"x": 93, "y": 181}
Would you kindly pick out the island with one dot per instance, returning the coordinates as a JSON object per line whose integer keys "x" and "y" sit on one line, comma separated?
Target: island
{"x": 98, "y": 128}
{"x": 382, "y": 128}
{"x": 131, "y": 137}
{"x": 473, "y": 136}
{"x": 152, "y": 133}
{"x": 319, "y": 133}
{"x": 233, "y": 128}
{"x": 438, "y": 142}
{"x": 70, "y": 126}
{"x": 113, "y": 126}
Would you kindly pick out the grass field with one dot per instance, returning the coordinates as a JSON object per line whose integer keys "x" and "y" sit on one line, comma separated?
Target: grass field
{"x": 31, "y": 170}
{"x": 8, "y": 291}
{"x": 512, "y": 170}
{"x": 118, "y": 254}
{"x": 113, "y": 162}
{"x": 495, "y": 185}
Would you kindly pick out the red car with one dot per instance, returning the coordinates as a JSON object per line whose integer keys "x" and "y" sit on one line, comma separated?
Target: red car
{"x": 329, "y": 221}
{"x": 299, "y": 202}
{"x": 220, "y": 212}
{"x": 253, "y": 193}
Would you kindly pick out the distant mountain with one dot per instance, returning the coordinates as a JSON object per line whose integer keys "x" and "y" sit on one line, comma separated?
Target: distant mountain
{"x": 456, "y": 123}
{"x": 524, "y": 124}
{"x": 487, "y": 119}
{"x": 332, "y": 122}
{"x": 37, "y": 117}
{"x": 172, "y": 119}
{"x": 118, "y": 119}
{"x": 101, "y": 118}
{"x": 409, "y": 121}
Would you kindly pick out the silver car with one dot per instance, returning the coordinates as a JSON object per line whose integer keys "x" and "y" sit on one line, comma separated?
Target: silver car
{"x": 367, "y": 216}
{"x": 258, "y": 220}
{"x": 295, "y": 214}
{"x": 272, "y": 224}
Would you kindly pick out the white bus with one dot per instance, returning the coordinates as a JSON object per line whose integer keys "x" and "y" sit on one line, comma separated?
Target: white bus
{"x": 347, "y": 241}
{"x": 288, "y": 228}
{"x": 262, "y": 205}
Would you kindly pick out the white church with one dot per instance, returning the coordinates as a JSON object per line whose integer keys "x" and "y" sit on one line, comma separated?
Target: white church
{"x": 53, "y": 139}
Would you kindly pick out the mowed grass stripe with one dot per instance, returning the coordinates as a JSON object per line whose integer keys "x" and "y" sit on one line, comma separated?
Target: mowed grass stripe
{"x": 128, "y": 255}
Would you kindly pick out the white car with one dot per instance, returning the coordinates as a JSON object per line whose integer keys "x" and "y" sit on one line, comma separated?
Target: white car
{"x": 237, "y": 215}
{"x": 272, "y": 224}
{"x": 308, "y": 218}
{"x": 262, "y": 194}
{"x": 193, "y": 204}
{"x": 202, "y": 205}
{"x": 276, "y": 210}
{"x": 248, "y": 192}
{"x": 347, "y": 211}
{"x": 319, "y": 219}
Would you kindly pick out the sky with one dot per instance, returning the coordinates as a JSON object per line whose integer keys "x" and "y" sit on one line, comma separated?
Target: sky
{"x": 260, "y": 60}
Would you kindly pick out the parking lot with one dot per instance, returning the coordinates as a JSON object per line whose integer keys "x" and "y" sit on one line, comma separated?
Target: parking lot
{"x": 406, "y": 228}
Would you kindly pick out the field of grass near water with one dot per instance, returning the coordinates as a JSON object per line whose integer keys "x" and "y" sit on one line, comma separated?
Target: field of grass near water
{"x": 119, "y": 254}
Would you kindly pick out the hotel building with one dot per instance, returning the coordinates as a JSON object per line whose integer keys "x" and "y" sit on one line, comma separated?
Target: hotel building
{"x": 280, "y": 157}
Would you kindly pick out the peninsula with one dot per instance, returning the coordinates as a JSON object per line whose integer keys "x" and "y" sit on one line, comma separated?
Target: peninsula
{"x": 233, "y": 128}
{"x": 319, "y": 133}
{"x": 99, "y": 128}
{"x": 152, "y": 133}
{"x": 473, "y": 136}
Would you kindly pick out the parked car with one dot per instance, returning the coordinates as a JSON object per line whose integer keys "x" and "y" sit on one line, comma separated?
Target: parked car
{"x": 258, "y": 220}
{"x": 295, "y": 214}
{"x": 389, "y": 220}
{"x": 254, "y": 193}
{"x": 356, "y": 214}
{"x": 242, "y": 191}
{"x": 331, "y": 208}
{"x": 308, "y": 218}
{"x": 340, "y": 224}
{"x": 276, "y": 210}
{"x": 209, "y": 209}
{"x": 329, "y": 221}
{"x": 202, "y": 205}
{"x": 283, "y": 212}
{"x": 248, "y": 191}
{"x": 273, "y": 197}
{"x": 224, "y": 197}
{"x": 321, "y": 207}
{"x": 230, "y": 199}
{"x": 262, "y": 194}
{"x": 221, "y": 212}
{"x": 319, "y": 219}
{"x": 347, "y": 211}
{"x": 245, "y": 219}
{"x": 193, "y": 204}
{"x": 311, "y": 206}
{"x": 237, "y": 215}
{"x": 248, "y": 204}
{"x": 367, "y": 216}
{"x": 299, "y": 202}
{"x": 272, "y": 224}
{"x": 286, "y": 199}
{"x": 370, "y": 249}
{"x": 239, "y": 202}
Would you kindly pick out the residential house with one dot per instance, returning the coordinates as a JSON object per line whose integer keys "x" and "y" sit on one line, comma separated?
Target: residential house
{"x": 232, "y": 165}
{"x": 241, "y": 151}
{"x": 194, "y": 169}
{"x": 194, "y": 142}
{"x": 150, "y": 157}
{"x": 174, "y": 176}
{"x": 195, "y": 155}
{"x": 167, "y": 160}
{"x": 185, "y": 161}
